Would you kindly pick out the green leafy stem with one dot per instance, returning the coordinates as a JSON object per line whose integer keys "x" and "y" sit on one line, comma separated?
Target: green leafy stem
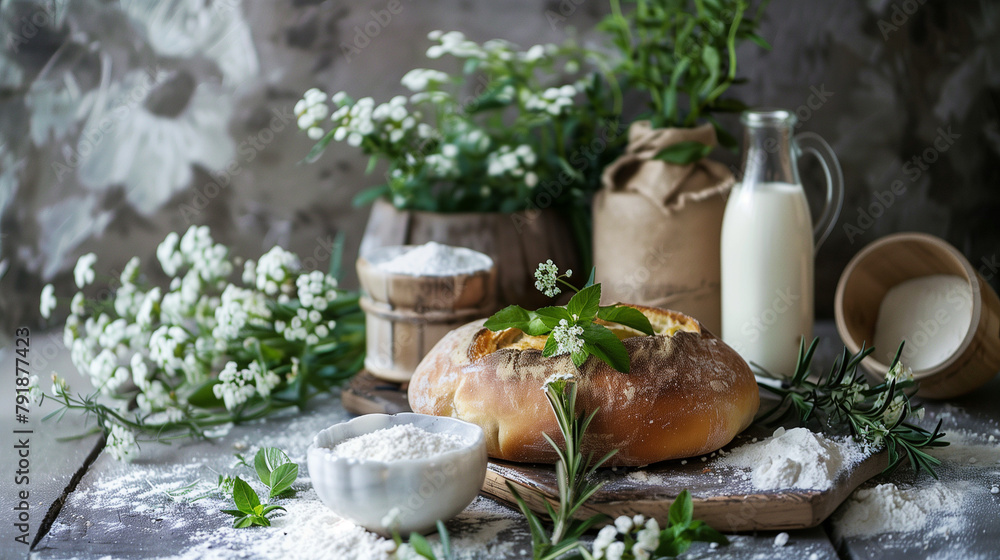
{"x": 576, "y": 324}
{"x": 879, "y": 416}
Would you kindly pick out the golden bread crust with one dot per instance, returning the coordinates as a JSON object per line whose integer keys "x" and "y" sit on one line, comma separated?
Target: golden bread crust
{"x": 687, "y": 393}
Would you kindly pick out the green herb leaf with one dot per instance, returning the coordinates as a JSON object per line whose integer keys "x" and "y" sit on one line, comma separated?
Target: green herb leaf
{"x": 628, "y": 316}
{"x": 682, "y": 509}
{"x": 203, "y": 395}
{"x": 269, "y": 509}
{"x": 551, "y": 347}
{"x": 510, "y": 317}
{"x": 282, "y": 478}
{"x": 603, "y": 343}
{"x": 684, "y": 153}
{"x": 585, "y": 303}
{"x": 243, "y": 496}
{"x": 550, "y": 316}
{"x": 243, "y": 522}
{"x": 233, "y": 512}
{"x": 266, "y": 460}
{"x": 421, "y": 546}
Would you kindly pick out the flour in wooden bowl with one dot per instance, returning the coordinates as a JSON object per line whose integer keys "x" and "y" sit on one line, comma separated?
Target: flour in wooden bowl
{"x": 435, "y": 259}
{"x": 796, "y": 458}
{"x": 398, "y": 443}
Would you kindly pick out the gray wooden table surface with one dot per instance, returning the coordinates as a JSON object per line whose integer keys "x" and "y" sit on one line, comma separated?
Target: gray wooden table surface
{"x": 122, "y": 511}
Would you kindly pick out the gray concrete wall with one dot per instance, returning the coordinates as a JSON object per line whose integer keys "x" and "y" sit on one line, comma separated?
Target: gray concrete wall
{"x": 117, "y": 121}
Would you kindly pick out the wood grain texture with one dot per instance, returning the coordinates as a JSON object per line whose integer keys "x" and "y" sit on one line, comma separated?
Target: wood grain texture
{"x": 367, "y": 394}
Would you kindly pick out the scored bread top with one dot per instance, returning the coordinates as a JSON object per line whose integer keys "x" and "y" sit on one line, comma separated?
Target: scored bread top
{"x": 687, "y": 392}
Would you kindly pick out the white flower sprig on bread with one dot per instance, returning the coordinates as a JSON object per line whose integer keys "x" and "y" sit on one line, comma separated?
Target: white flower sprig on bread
{"x": 575, "y": 328}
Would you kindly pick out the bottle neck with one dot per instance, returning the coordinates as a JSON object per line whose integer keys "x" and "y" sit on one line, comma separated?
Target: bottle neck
{"x": 768, "y": 150}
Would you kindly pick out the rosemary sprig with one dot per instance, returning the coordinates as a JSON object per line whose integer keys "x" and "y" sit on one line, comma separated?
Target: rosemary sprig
{"x": 573, "y": 472}
{"x": 878, "y": 416}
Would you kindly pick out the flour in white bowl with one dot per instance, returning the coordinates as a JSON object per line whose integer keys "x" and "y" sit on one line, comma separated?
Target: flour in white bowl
{"x": 434, "y": 259}
{"x": 796, "y": 458}
{"x": 398, "y": 443}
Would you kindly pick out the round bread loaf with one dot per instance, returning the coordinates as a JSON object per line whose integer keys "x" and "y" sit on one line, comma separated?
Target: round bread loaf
{"x": 687, "y": 393}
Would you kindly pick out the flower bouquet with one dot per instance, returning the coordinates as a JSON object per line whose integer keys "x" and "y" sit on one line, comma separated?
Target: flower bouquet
{"x": 207, "y": 351}
{"x": 511, "y": 125}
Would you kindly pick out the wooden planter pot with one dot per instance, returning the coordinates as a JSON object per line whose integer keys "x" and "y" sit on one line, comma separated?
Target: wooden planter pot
{"x": 516, "y": 243}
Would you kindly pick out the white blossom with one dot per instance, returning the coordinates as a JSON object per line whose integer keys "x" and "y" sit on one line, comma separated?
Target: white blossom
{"x": 310, "y": 111}
{"x": 48, "y": 301}
{"x": 121, "y": 443}
{"x": 899, "y": 373}
{"x": 76, "y": 306}
{"x": 83, "y": 273}
{"x": 419, "y": 79}
{"x": 149, "y": 309}
{"x": 545, "y": 278}
{"x": 166, "y": 347}
{"x": 235, "y": 388}
{"x": 615, "y": 550}
{"x": 273, "y": 270}
{"x": 170, "y": 259}
{"x": 624, "y": 524}
{"x": 59, "y": 386}
{"x": 131, "y": 271}
{"x": 34, "y": 391}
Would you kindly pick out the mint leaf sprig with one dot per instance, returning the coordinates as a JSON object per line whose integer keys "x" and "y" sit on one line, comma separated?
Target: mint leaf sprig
{"x": 276, "y": 472}
{"x": 572, "y": 328}
{"x": 878, "y": 416}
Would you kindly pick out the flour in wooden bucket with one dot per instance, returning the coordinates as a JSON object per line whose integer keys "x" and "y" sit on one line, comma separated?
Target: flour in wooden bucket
{"x": 433, "y": 259}
{"x": 796, "y": 458}
{"x": 398, "y": 443}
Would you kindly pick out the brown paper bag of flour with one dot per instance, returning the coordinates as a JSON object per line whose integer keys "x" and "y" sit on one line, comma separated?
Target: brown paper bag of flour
{"x": 657, "y": 226}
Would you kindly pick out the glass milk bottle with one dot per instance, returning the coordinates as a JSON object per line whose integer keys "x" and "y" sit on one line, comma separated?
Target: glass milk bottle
{"x": 768, "y": 242}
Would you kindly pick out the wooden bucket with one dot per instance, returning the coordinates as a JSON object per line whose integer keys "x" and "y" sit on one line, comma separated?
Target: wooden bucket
{"x": 894, "y": 259}
{"x": 516, "y": 243}
{"x": 405, "y": 316}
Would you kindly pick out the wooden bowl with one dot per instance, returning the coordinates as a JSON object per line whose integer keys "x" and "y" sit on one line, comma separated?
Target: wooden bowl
{"x": 406, "y": 315}
{"x": 894, "y": 259}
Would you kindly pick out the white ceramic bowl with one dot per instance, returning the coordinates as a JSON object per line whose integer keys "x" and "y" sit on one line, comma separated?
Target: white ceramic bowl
{"x": 424, "y": 490}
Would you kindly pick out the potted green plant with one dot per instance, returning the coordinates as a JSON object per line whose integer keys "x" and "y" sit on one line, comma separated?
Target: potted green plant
{"x": 501, "y": 156}
{"x": 658, "y": 216}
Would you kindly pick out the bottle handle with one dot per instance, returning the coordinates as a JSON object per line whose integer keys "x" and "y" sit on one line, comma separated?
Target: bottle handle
{"x": 812, "y": 143}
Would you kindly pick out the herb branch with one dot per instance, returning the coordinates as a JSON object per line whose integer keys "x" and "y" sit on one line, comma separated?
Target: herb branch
{"x": 878, "y": 416}
{"x": 575, "y": 328}
{"x": 573, "y": 472}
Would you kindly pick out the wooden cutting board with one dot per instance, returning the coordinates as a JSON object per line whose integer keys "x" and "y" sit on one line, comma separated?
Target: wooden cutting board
{"x": 722, "y": 497}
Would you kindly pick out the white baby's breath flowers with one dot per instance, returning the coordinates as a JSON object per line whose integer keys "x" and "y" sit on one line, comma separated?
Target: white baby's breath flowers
{"x": 48, "y": 300}
{"x": 34, "y": 391}
{"x": 624, "y": 524}
{"x": 568, "y": 338}
{"x": 76, "y": 305}
{"x": 234, "y": 388}
{"x": 545, "y": 278}
{"x": 83, "y": 273}
{"x": 419, "y": 79}
{"x": 310, "y": 111}
{"x": 273, "y": 271}
{"x": 59, "y": 386}
{"x": 121, "y": 443}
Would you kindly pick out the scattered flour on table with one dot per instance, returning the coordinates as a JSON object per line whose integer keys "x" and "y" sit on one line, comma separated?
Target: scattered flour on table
{"x": 435, "y": 259}
{"x": 397, "y": 443}
{"x": 796, "y": 458}
{"x": 887, "y": 508}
